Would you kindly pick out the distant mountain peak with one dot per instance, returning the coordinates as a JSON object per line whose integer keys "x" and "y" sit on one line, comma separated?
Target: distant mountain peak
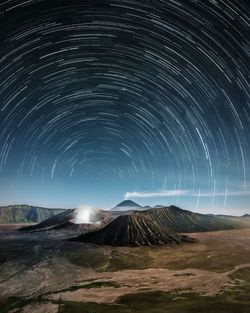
{"x": 246, "y": 215}
{"x": 128, "y": 203}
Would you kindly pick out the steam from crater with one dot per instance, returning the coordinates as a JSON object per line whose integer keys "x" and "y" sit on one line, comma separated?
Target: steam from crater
{"x": 82, "y": 214}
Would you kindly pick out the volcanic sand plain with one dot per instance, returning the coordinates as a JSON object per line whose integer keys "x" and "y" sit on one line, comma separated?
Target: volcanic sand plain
{"x": 40, "y": 273}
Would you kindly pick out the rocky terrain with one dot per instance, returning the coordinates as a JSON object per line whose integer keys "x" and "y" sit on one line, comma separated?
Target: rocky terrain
{"x": 133, "y": 230}
{"x": 170, "y": 217}
{"x": 14, "y": 214}
{"x": 40, "y": 274}
{"x": 186, "y": 221}
{"x": 64, "y": 224}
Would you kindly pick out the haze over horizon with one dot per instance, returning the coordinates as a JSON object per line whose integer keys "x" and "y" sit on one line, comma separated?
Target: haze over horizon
{"x": 102, "y": 102}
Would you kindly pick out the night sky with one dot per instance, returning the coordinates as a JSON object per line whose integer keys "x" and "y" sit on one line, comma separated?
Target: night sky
{"x": 107, "y": 100}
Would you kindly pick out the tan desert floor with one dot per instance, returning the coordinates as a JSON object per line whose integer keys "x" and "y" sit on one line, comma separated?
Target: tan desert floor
{"x": 135, "y": 281}
{"x": 213, "y": 259}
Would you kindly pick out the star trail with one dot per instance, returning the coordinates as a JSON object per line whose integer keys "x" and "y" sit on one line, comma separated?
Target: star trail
{"x": 106, "y": 100}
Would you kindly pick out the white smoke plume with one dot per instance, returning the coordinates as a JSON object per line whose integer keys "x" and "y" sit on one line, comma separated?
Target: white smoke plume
{"x": 83, "y": 214}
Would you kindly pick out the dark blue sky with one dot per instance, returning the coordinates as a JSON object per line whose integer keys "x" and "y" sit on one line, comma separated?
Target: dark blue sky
{"x": 106, "y": 100}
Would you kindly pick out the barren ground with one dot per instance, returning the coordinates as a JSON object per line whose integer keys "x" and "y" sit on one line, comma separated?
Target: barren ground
{"x": 39, "y": 274}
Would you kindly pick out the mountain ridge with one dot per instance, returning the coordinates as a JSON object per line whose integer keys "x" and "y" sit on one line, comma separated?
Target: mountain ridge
{"x": 187, "y": 221}
{"x": 23, "y": 213}
{"x": 182, "y": 221}
{"x": 133, "y": 230}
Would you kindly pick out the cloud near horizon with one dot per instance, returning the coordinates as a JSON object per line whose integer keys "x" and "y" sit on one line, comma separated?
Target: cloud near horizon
{"x": 162, "y": 193}
{"x": 187, "y": 193}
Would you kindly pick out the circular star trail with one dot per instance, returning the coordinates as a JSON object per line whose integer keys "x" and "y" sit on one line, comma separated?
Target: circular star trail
{"x": 101, "y": 99}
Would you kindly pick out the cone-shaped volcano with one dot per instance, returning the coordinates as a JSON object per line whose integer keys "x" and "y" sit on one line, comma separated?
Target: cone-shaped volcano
{"x": 132, "y": 230}
{"x": 127, "y": 205}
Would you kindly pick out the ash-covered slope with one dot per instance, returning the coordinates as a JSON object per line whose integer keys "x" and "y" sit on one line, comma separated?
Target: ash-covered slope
{"x": 133, "y": 230}
{"x": 166, "y": 217}
{"x": 51, "y": 222}
{"x": 16, "y": 214}
{"x": 65, "y": 222}
{"x": 185, "y": 221}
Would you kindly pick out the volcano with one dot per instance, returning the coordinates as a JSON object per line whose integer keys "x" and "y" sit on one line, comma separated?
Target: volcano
{"x": 184, "y": 221}
{"x": 133, "y": 230}
{"x": 171, "y": 217}
{"x": 127, "y": 205}
{"x": 51, "y": 222}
